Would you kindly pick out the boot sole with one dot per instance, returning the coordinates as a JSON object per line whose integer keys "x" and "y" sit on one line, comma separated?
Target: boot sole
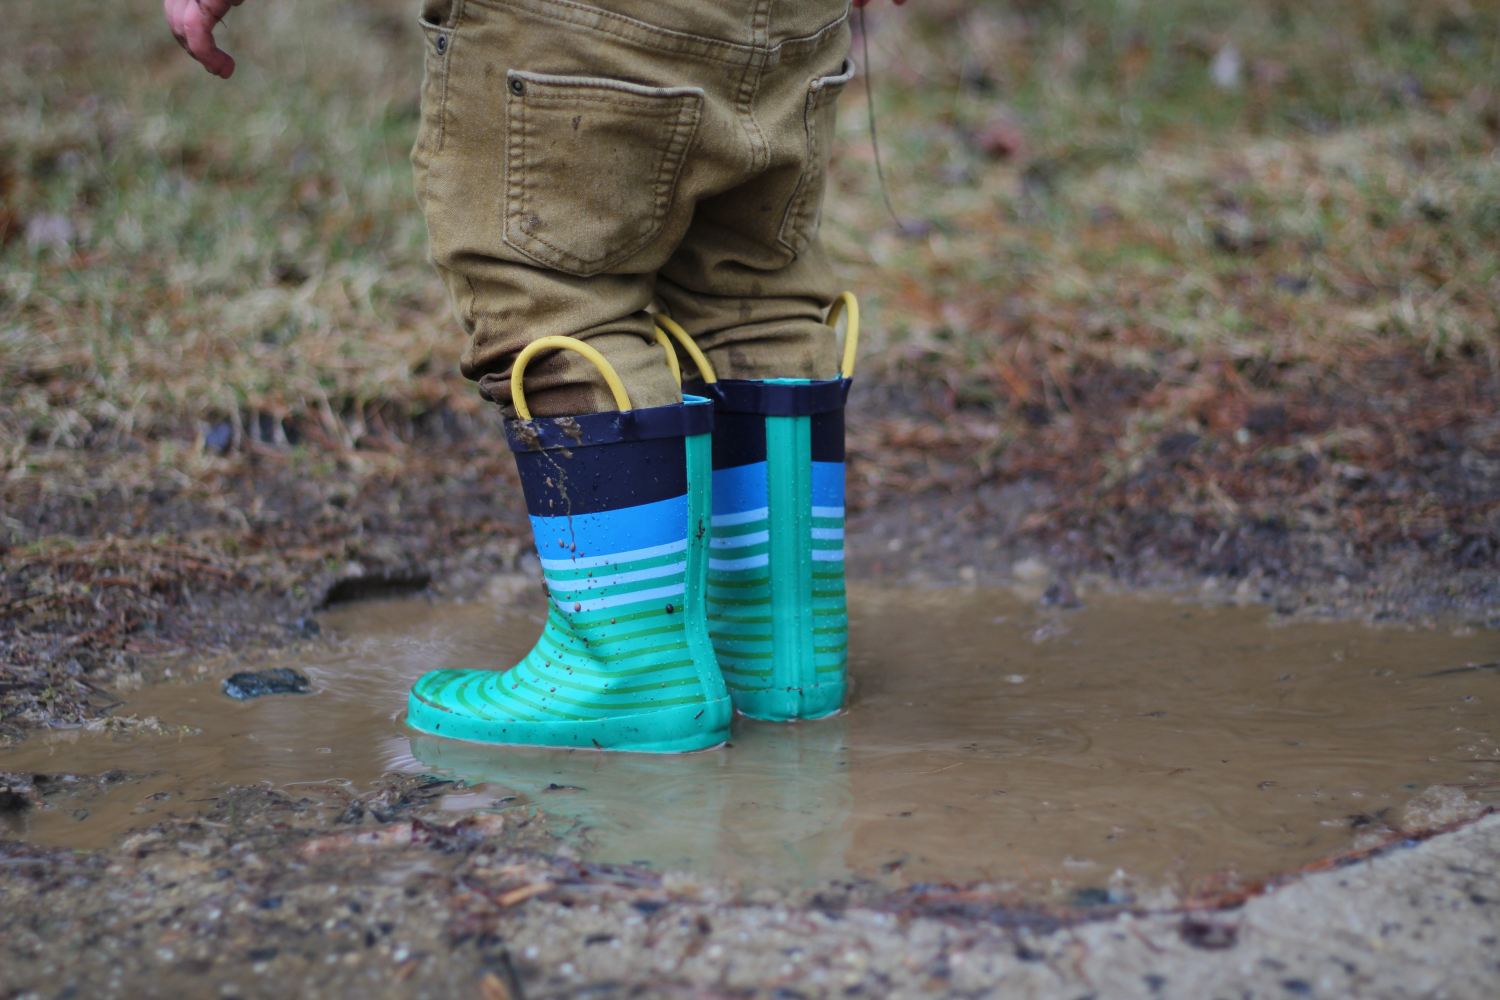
{"x": 681, "y": 729}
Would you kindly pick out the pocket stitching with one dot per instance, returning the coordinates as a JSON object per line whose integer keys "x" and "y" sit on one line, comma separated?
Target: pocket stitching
{"x": 681, "y": 118}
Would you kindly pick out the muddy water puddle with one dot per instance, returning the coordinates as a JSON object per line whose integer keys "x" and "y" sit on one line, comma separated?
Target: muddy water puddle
{"x": 987, "y": 739}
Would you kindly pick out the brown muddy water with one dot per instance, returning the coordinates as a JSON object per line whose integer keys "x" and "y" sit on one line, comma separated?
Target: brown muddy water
{"x": 987, "y": 739}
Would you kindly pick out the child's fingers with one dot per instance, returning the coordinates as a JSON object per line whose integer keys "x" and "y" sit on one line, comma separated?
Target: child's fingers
{"x": 192, "y": 23}
{"x": 198, "y": 37}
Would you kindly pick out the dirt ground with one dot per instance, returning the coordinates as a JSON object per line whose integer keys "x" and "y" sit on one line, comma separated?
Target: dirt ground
{"x": 1189, "y": 305}
{"x": 376, "y": 894}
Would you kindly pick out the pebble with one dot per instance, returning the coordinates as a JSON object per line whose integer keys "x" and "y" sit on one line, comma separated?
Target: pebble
{"x": 249, "y": 684}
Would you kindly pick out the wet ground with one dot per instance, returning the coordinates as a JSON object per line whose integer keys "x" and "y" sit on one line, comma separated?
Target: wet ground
{"x": 323, "y": 868}
{"x": 1129, "y": 746}
{"x": 112, "y": 564}
{"x": 345, "y": 880}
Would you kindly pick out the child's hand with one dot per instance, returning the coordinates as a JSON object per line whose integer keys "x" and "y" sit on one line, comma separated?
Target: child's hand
{"x": 193, "y": 22}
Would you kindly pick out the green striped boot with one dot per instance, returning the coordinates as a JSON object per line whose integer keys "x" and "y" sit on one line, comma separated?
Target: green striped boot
{"x": 776, "y": 605}
{"x": 619, "y": 505}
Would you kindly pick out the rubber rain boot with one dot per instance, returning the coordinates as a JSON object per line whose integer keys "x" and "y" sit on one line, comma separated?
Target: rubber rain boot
{"x": 619, "y": 504}
{"x": 777, "y": 609}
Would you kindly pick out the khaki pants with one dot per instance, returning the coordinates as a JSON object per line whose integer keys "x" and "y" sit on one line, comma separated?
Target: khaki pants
{"x": 579, "y": 164}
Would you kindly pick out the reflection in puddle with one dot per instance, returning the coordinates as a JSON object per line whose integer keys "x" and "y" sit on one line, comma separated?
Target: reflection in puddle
{"x": 987, "y": 740}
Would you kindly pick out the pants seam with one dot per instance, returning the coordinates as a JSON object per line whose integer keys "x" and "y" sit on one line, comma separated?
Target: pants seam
{"x": 454, "y": 19}
{"x": 651, "y": 36}
{"x": 749, "y": 87}
{"x": 629, "y": 29}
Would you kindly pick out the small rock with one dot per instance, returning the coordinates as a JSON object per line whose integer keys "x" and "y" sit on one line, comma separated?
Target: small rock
{"x": 256, "y": 683}
{"x": 1267, "y": 419}
{"x": 219, "y": 437}
{"x": 17, "y": 794}
{"x": 49, "y": 231}
{"x": 304, "y": 626}
{"x": 914, "y": 229}
{"x": 1061, "y": 595}
{"x": 1174, "y": 447}
{"x": 1096, "y": 895}
{"x": 1476, "y": 551}
{"x": 1227, "y": 68}
{"x": 1209, "y": 935}
{"x": 1001, "y": 139}
{"x": 1436, "y": 807}
{"x": 1237, "y": 233}
{"x": 1029, "y": 570}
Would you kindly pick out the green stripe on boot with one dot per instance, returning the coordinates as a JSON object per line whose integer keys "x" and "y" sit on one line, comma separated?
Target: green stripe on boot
{"x": 776, "y": 604}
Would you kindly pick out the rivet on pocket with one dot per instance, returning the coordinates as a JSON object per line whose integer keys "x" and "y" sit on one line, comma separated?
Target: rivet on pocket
{"x": 441, "y": 44}
{"x": 518, "y": 87}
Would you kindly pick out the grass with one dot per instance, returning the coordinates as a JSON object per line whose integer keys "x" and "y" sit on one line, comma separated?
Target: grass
{"x": 1269, "y": 229}
{"x": 1233, "y": 266}
{"x": 1339, "y": 192}
{"x": 180, "y": 251}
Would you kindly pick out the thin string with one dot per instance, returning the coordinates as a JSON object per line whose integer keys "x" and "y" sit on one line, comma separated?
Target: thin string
{"x": 885, "y": 194}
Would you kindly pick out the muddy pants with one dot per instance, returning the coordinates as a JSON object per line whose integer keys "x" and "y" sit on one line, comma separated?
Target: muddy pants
{"x": 578, "y": 163}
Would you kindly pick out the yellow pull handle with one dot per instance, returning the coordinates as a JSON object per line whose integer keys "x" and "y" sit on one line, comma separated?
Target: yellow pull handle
{"x": 666, "y": 345}
{"x": 531, "y": 350}
{"x": 706, "y": 369}
{"x": 846, "y": 302}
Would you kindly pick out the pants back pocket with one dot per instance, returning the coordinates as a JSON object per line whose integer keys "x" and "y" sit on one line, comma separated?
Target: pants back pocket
{"x": 591, "y": 166}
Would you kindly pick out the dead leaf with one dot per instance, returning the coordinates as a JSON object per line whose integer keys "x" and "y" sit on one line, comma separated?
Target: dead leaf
{"x": 522, "y": 894}
{"x": 395, "y": 835}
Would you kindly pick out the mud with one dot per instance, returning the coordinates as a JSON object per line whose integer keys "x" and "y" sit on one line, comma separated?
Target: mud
{"x": 108, "y": 583}
{"x": 1129, "y": 747}
{"x": 351, "y": 882}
